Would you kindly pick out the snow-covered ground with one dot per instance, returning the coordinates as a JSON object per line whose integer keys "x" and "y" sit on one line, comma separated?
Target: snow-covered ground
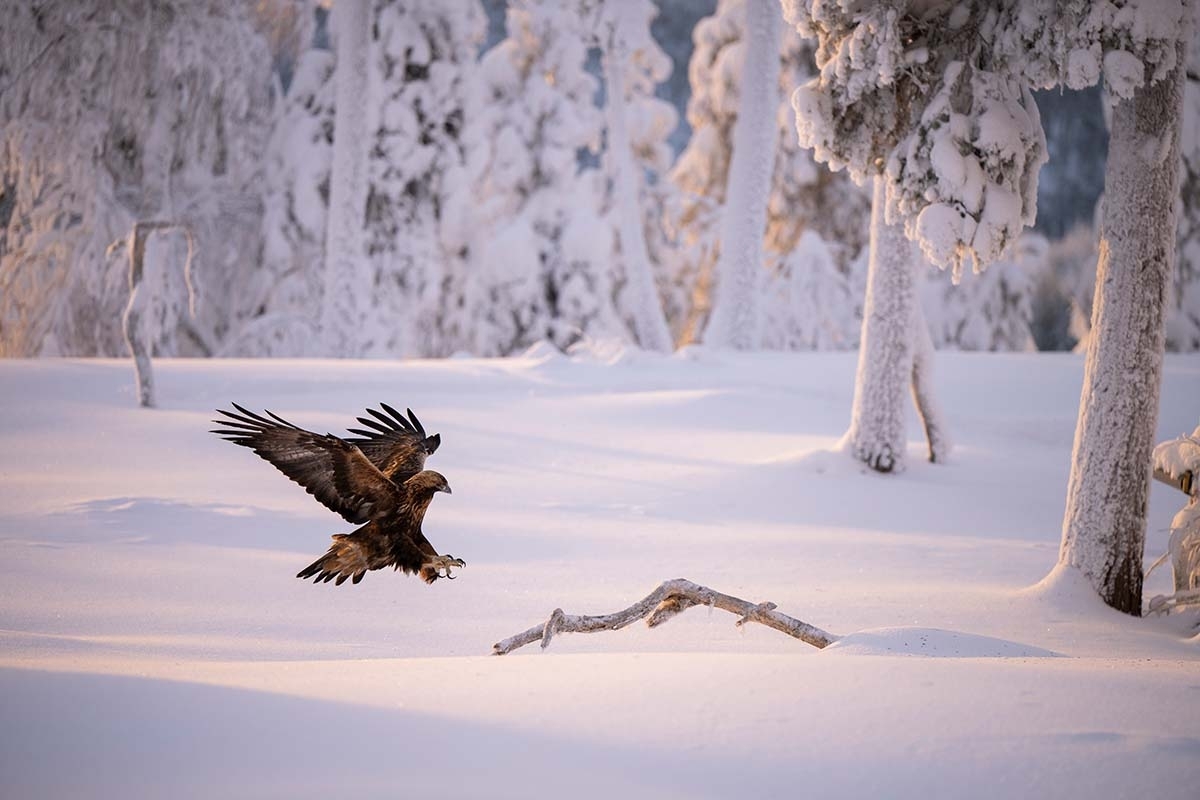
{"x": 155, "y": 643}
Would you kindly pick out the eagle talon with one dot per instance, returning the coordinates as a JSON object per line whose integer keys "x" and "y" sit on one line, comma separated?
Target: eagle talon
{"x": 443, "y": 564}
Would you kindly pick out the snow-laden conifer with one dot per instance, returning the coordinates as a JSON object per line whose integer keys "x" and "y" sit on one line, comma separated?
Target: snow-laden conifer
{"x": 538, "y": 248}
{"x": 421, "y": 55}
{"x": 912, "y": 90}
{"x": 285, "y": 291}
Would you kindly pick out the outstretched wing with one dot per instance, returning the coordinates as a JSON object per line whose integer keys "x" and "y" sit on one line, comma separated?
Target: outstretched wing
{"x": 396, "y": 445}
{"x": 332, "y": 470}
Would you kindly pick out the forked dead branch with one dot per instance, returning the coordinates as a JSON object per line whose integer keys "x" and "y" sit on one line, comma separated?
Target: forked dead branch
{"x": 670, "y": 598}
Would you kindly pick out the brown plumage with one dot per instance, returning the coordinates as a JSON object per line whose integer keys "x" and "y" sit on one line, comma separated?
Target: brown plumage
{"x": 378, "y": 479}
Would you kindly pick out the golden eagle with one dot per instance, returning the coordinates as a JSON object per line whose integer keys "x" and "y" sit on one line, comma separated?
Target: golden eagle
{"x": 378, "y": 478}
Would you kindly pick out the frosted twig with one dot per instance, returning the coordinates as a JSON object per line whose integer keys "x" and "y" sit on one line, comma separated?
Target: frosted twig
{"x": 669, "y": 599}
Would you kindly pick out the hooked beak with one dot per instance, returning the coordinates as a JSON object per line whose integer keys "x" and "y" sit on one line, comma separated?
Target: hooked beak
{"x": 446, "y": 489}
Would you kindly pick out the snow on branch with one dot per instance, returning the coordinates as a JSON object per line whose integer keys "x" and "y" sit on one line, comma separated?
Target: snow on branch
{"x": 669, "y": 599}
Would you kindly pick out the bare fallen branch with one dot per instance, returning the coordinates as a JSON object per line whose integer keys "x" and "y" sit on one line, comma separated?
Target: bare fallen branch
{"x": 669, "y": 599}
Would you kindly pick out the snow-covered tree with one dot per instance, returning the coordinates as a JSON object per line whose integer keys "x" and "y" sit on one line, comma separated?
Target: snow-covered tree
{"x": 805, "y": 197}
{"x": 736, "y": 317}
{"x": 912, "y": 90}
{"x": 538, "y": 264}
{"x": 810, "y": 304}
{"x": 1183, "y": 315}
{"x": 285, "y": 291}
{"x": 961, "y": 168}
{"x": 993, "y": 311}
{"x": 882, "y": 107}
{"x": 885, "y": 363}
{"x": 422, "y": 55}
{"x": 633, "y": 64}
{"x": 114, "y": 112}
{"x": 1104, "y": 524}
{"x": 346, "y": 289}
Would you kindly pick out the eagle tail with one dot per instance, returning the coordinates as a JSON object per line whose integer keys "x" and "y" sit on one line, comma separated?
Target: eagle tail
{"x": 342, "y": 561}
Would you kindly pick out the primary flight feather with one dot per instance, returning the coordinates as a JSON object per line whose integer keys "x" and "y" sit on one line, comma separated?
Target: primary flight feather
{"x": 377, "y": 479}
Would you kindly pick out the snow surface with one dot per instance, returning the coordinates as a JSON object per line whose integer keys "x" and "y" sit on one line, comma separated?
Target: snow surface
{"x": 154, "y": 642}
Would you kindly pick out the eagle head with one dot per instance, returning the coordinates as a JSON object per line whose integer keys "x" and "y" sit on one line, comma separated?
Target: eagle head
{"x": 427, "y": 482}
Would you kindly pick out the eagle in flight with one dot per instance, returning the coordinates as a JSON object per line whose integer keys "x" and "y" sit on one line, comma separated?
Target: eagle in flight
{"x": 376, "y": 479}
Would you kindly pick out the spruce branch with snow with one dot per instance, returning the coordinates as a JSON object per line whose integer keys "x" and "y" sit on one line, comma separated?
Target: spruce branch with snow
{"x": 913, "y": 91}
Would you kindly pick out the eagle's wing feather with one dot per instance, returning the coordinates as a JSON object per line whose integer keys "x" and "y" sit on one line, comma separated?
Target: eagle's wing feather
{"x": 396, "y": 445}
{"x": 334, "y": 471}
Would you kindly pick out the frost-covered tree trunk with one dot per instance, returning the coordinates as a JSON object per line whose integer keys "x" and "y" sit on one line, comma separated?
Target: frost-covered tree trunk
{"x": 736, "y": 318}
{"x": 885, "y": 356}
{"x": 928, "y": 408}
{"x": 650, "y": 324}
{"x": 341, "y": 306}
{"x": 1104, "y": 526}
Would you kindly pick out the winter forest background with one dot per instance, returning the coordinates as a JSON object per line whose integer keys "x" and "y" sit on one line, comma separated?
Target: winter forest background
{"x": 511, "y": 197}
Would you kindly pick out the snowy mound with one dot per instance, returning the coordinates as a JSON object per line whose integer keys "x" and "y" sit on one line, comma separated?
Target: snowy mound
{"x": 934, "y": 643}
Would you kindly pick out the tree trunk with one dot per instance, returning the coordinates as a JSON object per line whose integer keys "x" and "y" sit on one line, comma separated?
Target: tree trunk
{"x": 1104, "y": 526}
{"x": 649, "y": 321}
{"x": 344, "y": 256}
{"x": 736, "y": 319}
{"x": 928, "y": 409}
{"x": 885, "y": 355}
